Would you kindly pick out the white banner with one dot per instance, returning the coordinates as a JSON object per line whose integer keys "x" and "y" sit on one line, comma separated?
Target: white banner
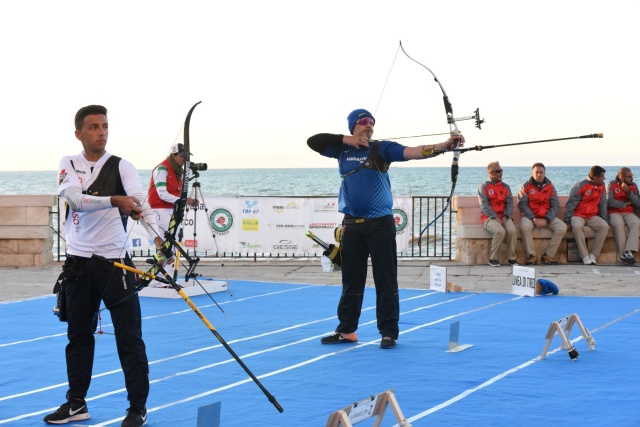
{"x": 267, "y": 225}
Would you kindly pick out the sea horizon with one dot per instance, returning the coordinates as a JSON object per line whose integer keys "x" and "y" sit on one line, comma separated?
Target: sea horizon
{"x": 304, "y": 182}
{"x": 405, "y": 181}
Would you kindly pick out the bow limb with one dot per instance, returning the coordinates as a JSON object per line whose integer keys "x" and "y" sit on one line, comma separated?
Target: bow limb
{"x": 176, "y": 219}
{"x": 177, "y": 216}
{"x": 181, "y": 203}
{"x": 451, "y": 120}
{"x": 453, "y": 128}
{"x": 166, "y": 249}
{"x": 178, "y": 209}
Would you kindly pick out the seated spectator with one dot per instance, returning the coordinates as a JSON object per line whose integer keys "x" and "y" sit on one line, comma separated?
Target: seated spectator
{"x": 622, "y": 200}
{"x": 538, "y": 202}
{"x": 587, "y": 206}
{"x": 496, "y": 208}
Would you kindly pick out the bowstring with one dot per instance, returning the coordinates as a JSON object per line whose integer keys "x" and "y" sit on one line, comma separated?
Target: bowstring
{"x": 126, "y": 242}
{"x": 180, "y": 212}
{"x": 384, "y": 181}
{"x": 384, "y": 87}
{"x": 453, "y": 127}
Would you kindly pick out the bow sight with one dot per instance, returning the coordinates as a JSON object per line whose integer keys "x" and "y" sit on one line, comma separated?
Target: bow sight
{"x": 476, "y": 116}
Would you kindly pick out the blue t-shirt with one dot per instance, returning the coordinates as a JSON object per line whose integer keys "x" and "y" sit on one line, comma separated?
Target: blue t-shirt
{"x": 367, "y": 192}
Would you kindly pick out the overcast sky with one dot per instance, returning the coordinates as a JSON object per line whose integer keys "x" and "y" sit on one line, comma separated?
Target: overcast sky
{"x": 272, "y": 73}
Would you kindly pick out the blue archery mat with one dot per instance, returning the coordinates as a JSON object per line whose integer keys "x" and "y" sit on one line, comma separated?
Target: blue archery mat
{"x": 276, "y": 329}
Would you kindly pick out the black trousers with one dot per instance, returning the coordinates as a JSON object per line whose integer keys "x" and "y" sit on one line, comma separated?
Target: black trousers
{"x": 92, "y": 281}
{"x": 376, "y": 238}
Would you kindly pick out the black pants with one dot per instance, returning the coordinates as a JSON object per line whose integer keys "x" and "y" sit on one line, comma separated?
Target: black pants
{"x": 96, "y": 280}
{"x": 376, "y": 238}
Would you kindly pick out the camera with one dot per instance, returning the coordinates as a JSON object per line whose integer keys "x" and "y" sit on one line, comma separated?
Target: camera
{"x": 198, "y": 166}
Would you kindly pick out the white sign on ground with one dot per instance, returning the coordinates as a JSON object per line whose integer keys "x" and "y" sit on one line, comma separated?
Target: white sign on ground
{"x": 362, "y": 410}
{"x": 524, "y": 281}
{"x": 438, "y": 278}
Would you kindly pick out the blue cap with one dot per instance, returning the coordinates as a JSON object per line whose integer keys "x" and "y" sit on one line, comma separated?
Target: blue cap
{"x": 548, "y": 287}
{"x": 356, "y": 115}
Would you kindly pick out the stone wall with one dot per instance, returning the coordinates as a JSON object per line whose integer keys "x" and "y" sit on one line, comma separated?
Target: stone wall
{"x": 26, "y": 236}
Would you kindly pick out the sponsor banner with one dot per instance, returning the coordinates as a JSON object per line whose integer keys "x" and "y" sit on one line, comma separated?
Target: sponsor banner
{"x": 215, "y": 228}
{"x": 402, "y": 217}
{"x": 283, "y": 222}
{"x": 257, "y": 225}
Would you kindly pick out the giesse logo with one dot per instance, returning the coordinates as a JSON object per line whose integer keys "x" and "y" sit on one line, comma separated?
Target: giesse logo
{"x": 285, "y": 244}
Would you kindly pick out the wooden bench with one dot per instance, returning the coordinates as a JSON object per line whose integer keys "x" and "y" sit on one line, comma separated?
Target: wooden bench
{"x": 473, "y": 242}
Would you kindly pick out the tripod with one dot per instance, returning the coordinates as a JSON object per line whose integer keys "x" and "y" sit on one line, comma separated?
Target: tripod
{"x": 196, "y": 194}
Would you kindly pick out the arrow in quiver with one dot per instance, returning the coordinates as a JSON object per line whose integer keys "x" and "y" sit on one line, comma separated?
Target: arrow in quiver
{"x": 331, "y": 251}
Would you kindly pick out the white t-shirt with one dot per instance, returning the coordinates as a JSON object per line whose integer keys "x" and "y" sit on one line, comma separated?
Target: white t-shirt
{"x": 93, "y": 225}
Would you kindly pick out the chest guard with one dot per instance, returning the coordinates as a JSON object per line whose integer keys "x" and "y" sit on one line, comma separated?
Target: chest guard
{"x": 108, "y": 182}
{"x": 374, "y": 161}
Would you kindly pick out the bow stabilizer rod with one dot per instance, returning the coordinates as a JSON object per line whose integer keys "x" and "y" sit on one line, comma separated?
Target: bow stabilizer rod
{"x": 480, "y": 147}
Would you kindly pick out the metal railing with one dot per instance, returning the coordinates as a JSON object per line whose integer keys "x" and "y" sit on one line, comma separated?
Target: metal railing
{"x": 436, "y": 242}
{"x": 438, "y": 238}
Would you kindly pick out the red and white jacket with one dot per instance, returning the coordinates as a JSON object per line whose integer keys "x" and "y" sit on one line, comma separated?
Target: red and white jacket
{"x": 164, "y": 186}
{"x": 618, "y": 200}
{"x": 586, "y": 200}
{"x": 495, "y": 200}
{"x": 538, "y": 201}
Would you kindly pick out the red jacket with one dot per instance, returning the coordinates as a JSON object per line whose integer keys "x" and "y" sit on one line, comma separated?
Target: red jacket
{"x": 534, "y": 202}
{"x": 174, "y": 186}
{"x": 495, "y": 200}
{"x": 586, "y": 200}
{"x": 617, "y": 198}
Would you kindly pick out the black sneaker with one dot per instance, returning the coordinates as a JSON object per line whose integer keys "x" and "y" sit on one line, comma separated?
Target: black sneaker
{"x": 73, "y": 410}
{"x": 628, "y": 258}
{"x": 494, "y": 263}
{"x": 338, "y": 338}
{"x": 387, "y": 342}
{"x": 136, "y": 417}
{"x": 513, "y": 262}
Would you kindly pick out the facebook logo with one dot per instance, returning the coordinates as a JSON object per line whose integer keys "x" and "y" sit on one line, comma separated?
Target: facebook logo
{"x": 136, "y": 243}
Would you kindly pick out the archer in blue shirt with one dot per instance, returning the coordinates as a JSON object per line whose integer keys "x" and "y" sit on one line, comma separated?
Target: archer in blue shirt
{"x": 368, "y": 227}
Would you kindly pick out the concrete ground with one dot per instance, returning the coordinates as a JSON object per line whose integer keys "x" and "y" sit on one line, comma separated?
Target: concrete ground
{"x": 571, "y": 279}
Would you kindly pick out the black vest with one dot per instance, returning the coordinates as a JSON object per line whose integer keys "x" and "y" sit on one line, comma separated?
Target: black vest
{"x": 107, "y": 183}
